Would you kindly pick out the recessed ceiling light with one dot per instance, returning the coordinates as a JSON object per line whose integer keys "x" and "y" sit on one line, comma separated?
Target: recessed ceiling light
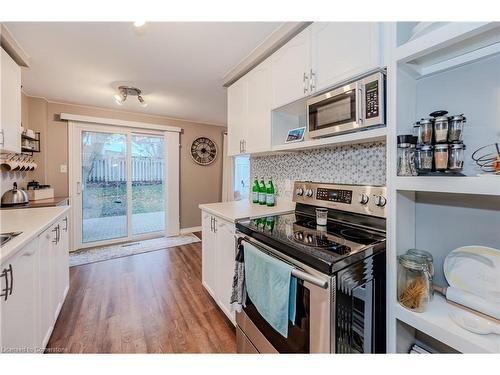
{"x": 139, "y": 23}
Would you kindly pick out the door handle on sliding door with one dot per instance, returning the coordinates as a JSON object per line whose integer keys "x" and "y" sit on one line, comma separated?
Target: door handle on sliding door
{"x": 78, "y": 187}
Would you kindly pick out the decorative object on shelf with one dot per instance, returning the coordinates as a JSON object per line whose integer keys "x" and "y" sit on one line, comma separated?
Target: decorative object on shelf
{"x": 406, "y": 155}
{"x": 488, "y": 158}
{"x": 414, "y": 282}
{"x": 125, "y": 91}
{"x": 428, "y": 259}
{"x": 203, "y": 151}
{"x": 295, "y": 135}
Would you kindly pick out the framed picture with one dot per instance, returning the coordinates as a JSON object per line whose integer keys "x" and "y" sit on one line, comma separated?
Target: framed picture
{"x": 295, "y": 135}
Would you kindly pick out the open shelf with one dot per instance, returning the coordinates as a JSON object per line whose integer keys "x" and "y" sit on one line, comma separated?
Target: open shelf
{"x": 436, "y": 323}
{"x": 448, "y": 46}
{"x": 487, "y": 185}
{"x": 365, "y": 136}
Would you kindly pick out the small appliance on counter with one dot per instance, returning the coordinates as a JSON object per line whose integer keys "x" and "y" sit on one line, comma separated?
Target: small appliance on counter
{"x": 37, "y": 191}
{"x": 14, "y": 197}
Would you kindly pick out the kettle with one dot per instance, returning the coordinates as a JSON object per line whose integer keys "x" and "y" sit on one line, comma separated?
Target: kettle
{"x": 14, "y": 196}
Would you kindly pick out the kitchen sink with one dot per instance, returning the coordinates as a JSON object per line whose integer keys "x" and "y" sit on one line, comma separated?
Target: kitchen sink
{"x": 6, "y": 237}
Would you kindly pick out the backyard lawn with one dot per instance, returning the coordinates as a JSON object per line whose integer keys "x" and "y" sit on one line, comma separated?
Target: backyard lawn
{"x": 101, "y": 200}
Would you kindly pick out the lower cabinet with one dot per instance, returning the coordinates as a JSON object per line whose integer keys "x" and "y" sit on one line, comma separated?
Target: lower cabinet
{"x": 36, "y": 281}
{"x": 218, "y": 253}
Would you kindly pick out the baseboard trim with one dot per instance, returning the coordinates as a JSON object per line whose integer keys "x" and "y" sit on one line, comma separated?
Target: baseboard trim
{"x": 190, "y": 230}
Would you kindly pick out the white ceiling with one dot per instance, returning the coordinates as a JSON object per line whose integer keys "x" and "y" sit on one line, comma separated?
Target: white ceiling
{"x": 179, "y": 66}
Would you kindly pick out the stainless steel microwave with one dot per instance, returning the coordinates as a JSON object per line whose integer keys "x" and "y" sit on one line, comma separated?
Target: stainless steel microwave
{"x": 350, "y": 108}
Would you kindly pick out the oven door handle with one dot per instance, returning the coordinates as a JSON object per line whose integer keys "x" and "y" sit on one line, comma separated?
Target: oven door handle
{"x": 295, "y": 271}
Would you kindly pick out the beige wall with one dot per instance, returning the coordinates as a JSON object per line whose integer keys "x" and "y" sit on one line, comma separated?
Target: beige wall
{"x": 197, "y": 184}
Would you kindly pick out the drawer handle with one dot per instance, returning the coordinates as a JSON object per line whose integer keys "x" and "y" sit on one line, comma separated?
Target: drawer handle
{"x": 66, "y": 222}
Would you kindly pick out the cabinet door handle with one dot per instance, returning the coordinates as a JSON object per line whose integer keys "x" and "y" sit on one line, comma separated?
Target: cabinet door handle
{"x": 2, "y": 142}
{"x": 7, "y": 291}
{"x": 312, "y": 83}
{"x": 66, "y": 224}
{"x": 304, "y": 82}
{"x": 55, "y": 234}
{"x": 244, "y": 145}
{"x": 211, "y": 224}
{"x": 215, "y": 225}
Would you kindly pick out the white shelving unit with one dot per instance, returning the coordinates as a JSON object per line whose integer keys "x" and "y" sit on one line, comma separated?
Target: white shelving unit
{"x": 487, "y": 185}
{"x": 435, "y": 322}
{"x": 365, "y": 136}
{"x": 438, "y": 70}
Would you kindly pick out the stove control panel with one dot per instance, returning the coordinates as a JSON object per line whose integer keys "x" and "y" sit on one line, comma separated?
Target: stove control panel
{"x": 367, "y": 200}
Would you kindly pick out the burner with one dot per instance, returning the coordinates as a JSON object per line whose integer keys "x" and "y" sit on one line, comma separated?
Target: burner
{"x": 357, "y": 235}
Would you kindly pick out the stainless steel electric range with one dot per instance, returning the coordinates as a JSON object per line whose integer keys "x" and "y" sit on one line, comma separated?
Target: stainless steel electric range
{"x": 340, "y": 270}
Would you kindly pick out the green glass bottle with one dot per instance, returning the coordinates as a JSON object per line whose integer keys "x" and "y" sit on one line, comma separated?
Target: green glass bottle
{"x": 255, "y": 190}
{"x": 270, "y": 193}
{"x": 262, "y": 192}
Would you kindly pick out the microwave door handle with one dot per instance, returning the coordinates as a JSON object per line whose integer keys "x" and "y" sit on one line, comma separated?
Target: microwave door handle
{"x": 360, "y": 98}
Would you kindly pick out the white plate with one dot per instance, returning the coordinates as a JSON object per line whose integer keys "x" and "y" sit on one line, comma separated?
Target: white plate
{"x": 475, "y": 269}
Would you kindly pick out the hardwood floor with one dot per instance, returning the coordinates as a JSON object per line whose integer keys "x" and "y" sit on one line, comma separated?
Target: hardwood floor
{"x": 146, "y": 303}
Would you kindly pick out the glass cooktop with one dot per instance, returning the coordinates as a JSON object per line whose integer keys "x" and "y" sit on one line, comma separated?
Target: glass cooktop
{"x": 298, "y": 236}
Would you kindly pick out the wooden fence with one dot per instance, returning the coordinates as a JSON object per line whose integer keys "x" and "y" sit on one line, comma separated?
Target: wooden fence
{"x": 144, "y": 169}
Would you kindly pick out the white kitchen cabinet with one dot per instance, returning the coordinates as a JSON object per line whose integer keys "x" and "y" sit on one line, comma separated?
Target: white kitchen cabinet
{"x": 249, "y": 112}
{"x": 259, "y": 105}
{"x": 341, "y": 50}
{"x": 225, "y": 254}
{"x": 290, "y": 70}
{"x": 236, "y": 116}
{"x": 10, "y": 109}
{"x": 218, "y": 253}
{"x": 19, "y": 307}
{"x": 208, "y": 243}
{"x": 62, "y": 255}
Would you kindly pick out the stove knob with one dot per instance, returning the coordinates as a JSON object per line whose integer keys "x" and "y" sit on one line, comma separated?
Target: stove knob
{"x": 309, "y": 193}
{"x": 299, "y": 236}
{"x": 363, "y": 198}
{"x": 380, "y": 200}
{"x": 299, "y": 192}
{"x": 310, "y": 238}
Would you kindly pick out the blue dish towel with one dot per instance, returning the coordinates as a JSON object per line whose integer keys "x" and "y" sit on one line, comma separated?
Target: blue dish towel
{"x": 271, "y": 287}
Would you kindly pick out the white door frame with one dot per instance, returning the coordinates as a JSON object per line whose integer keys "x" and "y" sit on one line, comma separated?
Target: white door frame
{"x": 171, "y": 173}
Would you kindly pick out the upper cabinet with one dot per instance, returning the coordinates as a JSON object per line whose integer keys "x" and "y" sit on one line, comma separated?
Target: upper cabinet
{"x": 10, "y": 82}
{"x": 249, "y": 112}
{"x": 291, "y": 69}
{"x": 340, "y": 50}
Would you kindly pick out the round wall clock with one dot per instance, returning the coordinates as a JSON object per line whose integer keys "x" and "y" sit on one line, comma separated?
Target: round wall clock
{"x": 203, "y": 151}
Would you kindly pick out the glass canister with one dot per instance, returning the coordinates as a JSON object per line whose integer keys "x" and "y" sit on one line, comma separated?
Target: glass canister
{"x": 456, "y": 157}
{"x": 425, "y": 132}
{"x": 455, "y": 128}
{"x": 425, "y": 157}
{"x": 441, "y": 129}
{"x": 406, "y": 155}
{"x": 441, "y": 157}
{"x": 414, "y": 283}
{"x": 429, "y": 261}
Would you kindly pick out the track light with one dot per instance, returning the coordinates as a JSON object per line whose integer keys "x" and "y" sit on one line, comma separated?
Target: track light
{"x": 125, "y": 92}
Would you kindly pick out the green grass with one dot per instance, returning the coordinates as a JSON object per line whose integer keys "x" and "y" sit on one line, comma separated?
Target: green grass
{"x": 102, "y": 201}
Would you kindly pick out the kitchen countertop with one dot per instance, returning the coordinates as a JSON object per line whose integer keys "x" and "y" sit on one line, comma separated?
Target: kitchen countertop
{"x": 49, "y": 202}
{"x": 30, "y": 221}
{"x": 237, "y": 210}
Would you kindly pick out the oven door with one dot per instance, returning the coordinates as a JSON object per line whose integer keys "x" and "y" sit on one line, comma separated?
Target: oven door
{"x": 312, "y": 331}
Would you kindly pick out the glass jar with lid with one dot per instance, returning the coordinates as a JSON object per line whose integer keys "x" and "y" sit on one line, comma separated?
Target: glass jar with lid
{"x": 456, "y": 128}
{"x": 425, "y": 131}
{"x": 406, "y": 155}
{"x": 456, "y": 157}
{"x": 441, "y": 156}
{"x": 427, "y": 258}
{"x": 424, "y": 158}
{"x": 414, "y": 282}
{"x": 441, "y": 129}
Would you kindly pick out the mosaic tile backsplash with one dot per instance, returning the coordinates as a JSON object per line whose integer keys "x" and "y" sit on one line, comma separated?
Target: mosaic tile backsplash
{"x": 351, "y": 164}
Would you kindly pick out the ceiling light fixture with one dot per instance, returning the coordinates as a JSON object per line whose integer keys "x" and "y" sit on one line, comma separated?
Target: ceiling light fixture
{"x": 139, "y": 23}
{"x": 125, "y": 92}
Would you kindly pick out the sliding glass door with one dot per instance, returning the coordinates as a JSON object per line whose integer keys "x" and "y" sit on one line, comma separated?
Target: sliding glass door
{"x": 148, "y": 176}
{"x": 104, "y": 186}
{"x": 119, "y": 186}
